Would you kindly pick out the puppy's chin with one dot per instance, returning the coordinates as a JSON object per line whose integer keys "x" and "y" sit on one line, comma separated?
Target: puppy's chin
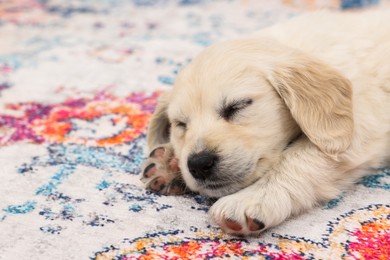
{"x": 216, "y": 192}
{"x": 214, "y": 189}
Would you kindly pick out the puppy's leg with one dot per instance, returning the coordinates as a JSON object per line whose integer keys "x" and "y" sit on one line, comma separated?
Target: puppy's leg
{"x": 300, "y": 180}
{"x": 161, "y": 173}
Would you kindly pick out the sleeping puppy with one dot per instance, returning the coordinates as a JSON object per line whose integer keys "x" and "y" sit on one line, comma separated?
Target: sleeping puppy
{"x": 276, "y": 123}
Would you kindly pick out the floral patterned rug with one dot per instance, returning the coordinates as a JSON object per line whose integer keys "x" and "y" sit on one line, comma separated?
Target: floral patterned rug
{"x": 79, "y": 80}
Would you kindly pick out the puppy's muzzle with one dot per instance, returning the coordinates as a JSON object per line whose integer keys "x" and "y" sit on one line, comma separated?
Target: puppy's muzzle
{"x": 202, "y": 165}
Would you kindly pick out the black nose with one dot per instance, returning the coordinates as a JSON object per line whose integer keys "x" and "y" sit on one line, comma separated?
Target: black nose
{"x": 201, "y": 165}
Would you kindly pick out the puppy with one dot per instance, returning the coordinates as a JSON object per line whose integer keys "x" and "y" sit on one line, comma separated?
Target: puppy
{"x": 278, "y": 122}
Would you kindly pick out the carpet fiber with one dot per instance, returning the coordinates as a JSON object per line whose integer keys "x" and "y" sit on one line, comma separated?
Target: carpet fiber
{"x": 79, "y": 80}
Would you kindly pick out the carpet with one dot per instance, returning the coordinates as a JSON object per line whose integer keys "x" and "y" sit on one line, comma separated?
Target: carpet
{"x": 79, "y": 80}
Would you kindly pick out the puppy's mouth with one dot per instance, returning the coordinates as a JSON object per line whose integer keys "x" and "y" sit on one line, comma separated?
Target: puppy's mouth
{"x": 217, "y": 189}
{"x": 215, "y": 186}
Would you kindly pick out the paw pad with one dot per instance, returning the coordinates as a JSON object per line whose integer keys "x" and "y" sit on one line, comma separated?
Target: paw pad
{"x": 161, "y": 172}
{"x": 150, "y": 170}
{"x": 254, "y": 224}
{"x": 157, "y": 184}
{"x": 233, "y": 225}
{"x": 157, "y": 152}
{"x": 237, "y": 228}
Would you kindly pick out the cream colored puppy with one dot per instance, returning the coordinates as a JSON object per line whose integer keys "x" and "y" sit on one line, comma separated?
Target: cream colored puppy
{"x": 279, "y": 122}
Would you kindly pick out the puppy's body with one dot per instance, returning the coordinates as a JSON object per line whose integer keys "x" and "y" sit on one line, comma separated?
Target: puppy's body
{"x": 280, "y": 121}
{"x": 357, "y": 46}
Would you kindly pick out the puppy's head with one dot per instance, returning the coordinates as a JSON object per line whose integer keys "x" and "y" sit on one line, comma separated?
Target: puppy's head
{"x": 237, "y": 106}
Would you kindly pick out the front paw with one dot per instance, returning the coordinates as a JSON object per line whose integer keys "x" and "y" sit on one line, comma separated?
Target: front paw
{"x": 249, "y": 212}
{"x": 161, "y": 173}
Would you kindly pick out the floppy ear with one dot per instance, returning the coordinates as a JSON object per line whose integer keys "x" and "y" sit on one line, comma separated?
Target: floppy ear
{"x": 320, "y": 101}
{"x": 159, "y": 127}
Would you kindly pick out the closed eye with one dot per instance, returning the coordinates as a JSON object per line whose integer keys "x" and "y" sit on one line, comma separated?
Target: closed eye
{"x": 230, "y": 109}
{"x": 180, "y": 124}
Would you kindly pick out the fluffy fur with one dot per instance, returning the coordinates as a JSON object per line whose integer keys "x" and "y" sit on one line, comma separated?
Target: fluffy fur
{"x": 318, "y": 117}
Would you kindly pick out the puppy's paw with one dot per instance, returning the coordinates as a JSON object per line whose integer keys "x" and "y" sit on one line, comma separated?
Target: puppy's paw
{"x": 237, "y": 216}
{"x": 249, "y": 212}
{"x": 161, "y": 173}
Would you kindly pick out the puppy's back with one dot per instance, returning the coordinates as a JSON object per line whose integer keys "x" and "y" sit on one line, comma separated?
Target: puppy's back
{"x": 358, "y": 46}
